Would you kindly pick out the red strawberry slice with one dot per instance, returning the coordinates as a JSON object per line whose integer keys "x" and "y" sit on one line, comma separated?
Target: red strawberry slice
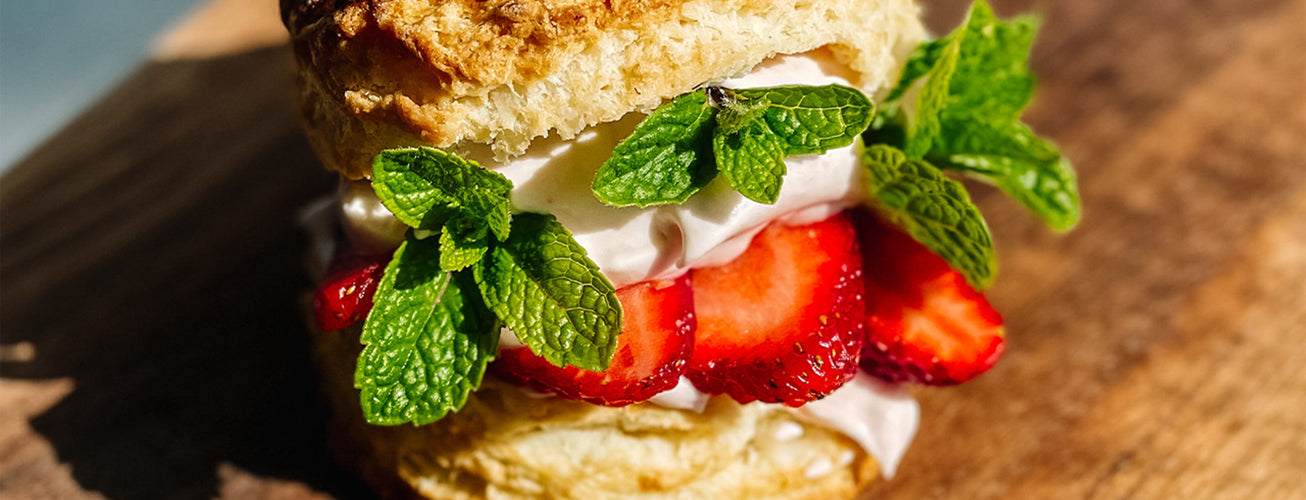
{"x": 782, "y": 323}
{"x": 924, "y": 323}
{"x": 652, "y": 350}
{"x": 345, "y": 296}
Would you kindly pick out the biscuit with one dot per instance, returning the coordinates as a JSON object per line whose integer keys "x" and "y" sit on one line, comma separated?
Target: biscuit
{"x": 509, "y": 443}
{"x": 382, "y": 74}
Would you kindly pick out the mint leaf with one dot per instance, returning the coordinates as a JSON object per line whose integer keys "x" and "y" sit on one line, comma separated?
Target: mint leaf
{"x": 933, "y": 97}
{"x": 663, "y": 160}
{"x": 461, "y": 245}
{"x": 967, "y": 115}
{"x": 423, "y": 187}
{"x": 809, "y": 119}
{"x": 667, "y": 158}
{"x": 758, "y": 128}
{"x": 1015, "y": 160}
{"x": 484, "y": 210}
{"x": 918, "y": 64}
{"x": 990, "y": 76}
{"x": 933, "y": 209}
{"x": 427, "y": 340}
{"x": 992, "y": 79}
{"x": 752, "y": 160}
{"x": 543, "y": 286}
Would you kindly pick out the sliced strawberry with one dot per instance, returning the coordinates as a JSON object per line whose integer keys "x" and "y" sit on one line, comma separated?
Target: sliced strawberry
{"x": 782, "y": 323}
{"x": 345, "y": 296}
{"x": 924, "y": 323}
{"x": 652, "y": 350}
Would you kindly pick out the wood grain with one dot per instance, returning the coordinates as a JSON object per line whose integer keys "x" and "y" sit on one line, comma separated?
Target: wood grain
{"x": 150, "y": 265}
{"x": 1156, "y": 351}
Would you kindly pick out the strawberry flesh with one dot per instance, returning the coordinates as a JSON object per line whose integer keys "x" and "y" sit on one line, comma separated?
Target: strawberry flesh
{"x": 345, "y": 296}
{"x": 924, "y": 322}
{"x": 652, "y": 350}
{"x": 783, "y": 322}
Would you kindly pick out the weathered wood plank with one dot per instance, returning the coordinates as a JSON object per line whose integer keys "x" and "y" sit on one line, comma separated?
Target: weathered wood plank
{"x": 1154, "y": 348}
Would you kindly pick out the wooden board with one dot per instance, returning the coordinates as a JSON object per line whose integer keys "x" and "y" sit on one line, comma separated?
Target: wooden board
{"x": 151, "y": 266}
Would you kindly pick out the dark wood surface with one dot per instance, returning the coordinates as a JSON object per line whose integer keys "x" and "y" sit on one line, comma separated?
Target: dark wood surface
{"x": 151, "y": 268}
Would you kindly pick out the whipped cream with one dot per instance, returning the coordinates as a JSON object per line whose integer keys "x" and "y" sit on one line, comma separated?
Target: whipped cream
{"x": 713, "y": 227}
{"x": 631, "y": 244}
{"x": 881, "y": 417}
{"x": 683, "y": 396}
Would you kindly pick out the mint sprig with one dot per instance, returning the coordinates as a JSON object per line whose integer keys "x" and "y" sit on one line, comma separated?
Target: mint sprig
{"x": 427, "y": 340}
{"x": 744, "y": 135}
{"x": 436, "y": 315}
{"x": 933, "y": 209}
{"x": 971, "y": 88}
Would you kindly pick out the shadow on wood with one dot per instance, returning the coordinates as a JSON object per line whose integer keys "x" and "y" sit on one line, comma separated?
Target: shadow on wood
{"x": 150, "y": 252}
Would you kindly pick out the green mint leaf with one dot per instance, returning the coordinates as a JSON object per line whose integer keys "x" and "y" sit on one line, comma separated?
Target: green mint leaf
{"x": 423, "y": 187}
{"x": 918, "y": 64}
{"x": 990, "y": 76}
{"x": 1015, "y": 160}
{"x": 812, "y": 119}
{"x": 752, "y": 160}
{"x": 933, "y": 97}
{"x": 491, "y": 208}
{"x": 427, "y": 340}
{"x": 757, "y": 128}
{"x": 992, "y": 79}
{"x": 933, "y": 209}
{"x": 967, "y": 115}
{"x": 980, "y": 132}
{"x": 461, "y": 245}
{"x": 542, "y": 285}
{"x": 667, "y": 158}
{"x": 663, "y": 160}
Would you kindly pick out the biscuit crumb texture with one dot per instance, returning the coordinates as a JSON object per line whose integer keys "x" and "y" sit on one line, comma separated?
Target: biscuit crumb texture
{"x": 509, "y": 444}
{"x": 386, "y": 73}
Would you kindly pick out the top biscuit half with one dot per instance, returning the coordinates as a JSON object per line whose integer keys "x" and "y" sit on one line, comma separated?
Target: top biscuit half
{"x": 381, "y": 74}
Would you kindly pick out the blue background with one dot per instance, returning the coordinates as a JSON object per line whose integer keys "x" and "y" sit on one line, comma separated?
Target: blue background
{"x": 58, "y": 56}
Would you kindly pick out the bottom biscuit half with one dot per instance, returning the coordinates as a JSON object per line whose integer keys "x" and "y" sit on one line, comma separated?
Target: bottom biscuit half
{"x": 510, "y": 443}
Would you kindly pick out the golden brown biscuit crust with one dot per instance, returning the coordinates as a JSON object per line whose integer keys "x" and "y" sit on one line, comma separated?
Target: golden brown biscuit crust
{"x": 387, "y": 73}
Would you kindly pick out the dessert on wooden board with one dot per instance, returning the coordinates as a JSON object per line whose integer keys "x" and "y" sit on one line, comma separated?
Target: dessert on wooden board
{"x": 680, "y": 249}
